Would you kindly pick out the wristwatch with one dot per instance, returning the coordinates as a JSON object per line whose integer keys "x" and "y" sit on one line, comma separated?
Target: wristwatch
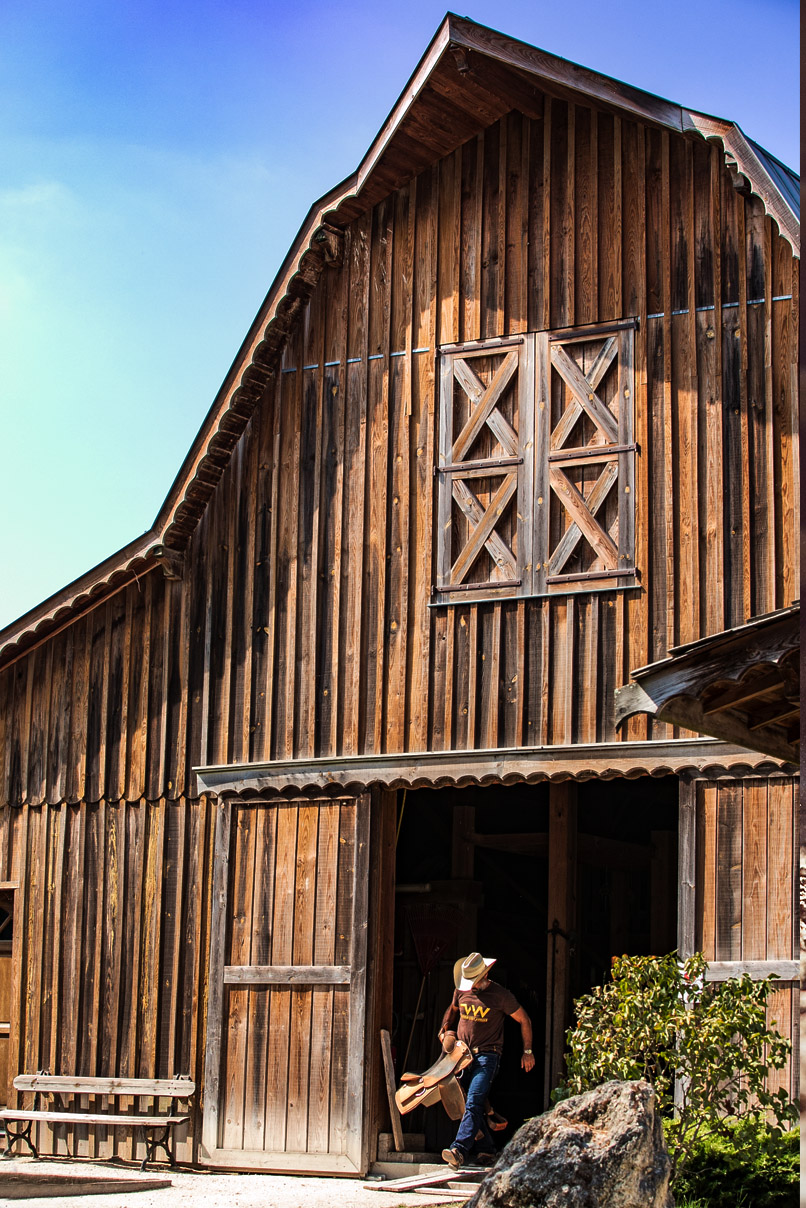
{"x": 527, "y": 1052}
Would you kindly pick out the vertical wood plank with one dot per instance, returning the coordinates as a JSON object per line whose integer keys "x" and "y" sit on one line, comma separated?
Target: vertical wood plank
{"x": 235, "y": 1022}
{"x": 41, "y": 675}
{"x": 784, "y": 394}
{"x": 161, "y": 621}
{"x": 706, "y": 869}
{"x": 267, "y": 488}
{"x": 112, "y": 971}
{"x": 138, "y": 691}
{"x": 634, "y": 400}
{"x": 755, "y": 887}
{"x": 215, "y": 998}
{"x": 729, "y": 873}
{"x": 322, "y": 997}
{"x": 331, "y": 505}
{"x": 753, "y": 320}
{"x": 32, "y": 921}
{"x": 258, "y": 1075}
{"x": 782, "y": 800}
{"x": 151, "y": 934}
{"x": 355, "y": 466}
{"x": 376, "y": 504}
{"x": 397, "y": 606}
{"x": 244, "y": 521}
{"x": 57, "y": 889}
{"x": 344, "y": 954}
{"x": 287, "y": 562}
{"x": 72, "y": 962}
{"x": 16, "y": 1038}
{"x": 20, "y": 738}
{"x": 356, "y": 1147}
{"x": 281, "y": 954}
{"x": 308, "y": 652}
{"x": 471, "y": 234}
{"x": 449, "y": 234}
{"x": 548, "y": 299}
{"x": 302, "y": 998}
{"x": 516, "y": 230}
{"x": 424, "y": 336}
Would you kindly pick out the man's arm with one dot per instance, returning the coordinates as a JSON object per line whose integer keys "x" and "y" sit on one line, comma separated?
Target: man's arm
{"x": 528, "y": 1058}
{"x": 447, "y": 1031}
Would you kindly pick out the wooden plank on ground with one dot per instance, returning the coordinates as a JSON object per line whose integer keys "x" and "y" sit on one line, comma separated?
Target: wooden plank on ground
{"x": 414, "y": 1181}
{"x": 389, "y": 1078}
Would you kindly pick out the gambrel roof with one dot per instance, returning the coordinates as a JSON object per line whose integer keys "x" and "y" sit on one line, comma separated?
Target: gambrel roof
{"x": 468, "y": 78}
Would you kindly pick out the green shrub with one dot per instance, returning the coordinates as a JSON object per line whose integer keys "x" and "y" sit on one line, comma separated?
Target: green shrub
{"x": 660, "y": 1020}
{"x": 753, "y": 1166}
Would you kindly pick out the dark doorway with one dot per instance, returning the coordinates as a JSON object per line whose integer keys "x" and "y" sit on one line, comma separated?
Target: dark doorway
{"x": 473, "y": 870}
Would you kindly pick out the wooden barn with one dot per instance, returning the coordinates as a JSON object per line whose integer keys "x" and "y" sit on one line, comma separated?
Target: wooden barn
{"x": 518, "y": 417}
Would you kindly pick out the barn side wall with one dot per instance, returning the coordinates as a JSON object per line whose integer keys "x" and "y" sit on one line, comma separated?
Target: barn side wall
{"x": 110, "y": 946}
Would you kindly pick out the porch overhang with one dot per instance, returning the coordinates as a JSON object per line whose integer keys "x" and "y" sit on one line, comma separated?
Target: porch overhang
{"x": 741, "y": 685}
{"x": 698, "y": 757}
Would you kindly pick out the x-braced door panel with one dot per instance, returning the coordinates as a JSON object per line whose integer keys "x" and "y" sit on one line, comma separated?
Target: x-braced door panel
{"x": 284, "y": 1066}
{"x": 536, "y": 478}
{"x": 484, "y": 469}
{"x": 585, "y": 459}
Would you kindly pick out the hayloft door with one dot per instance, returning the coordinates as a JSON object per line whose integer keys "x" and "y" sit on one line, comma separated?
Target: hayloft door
{"x": 284, "y": 1064}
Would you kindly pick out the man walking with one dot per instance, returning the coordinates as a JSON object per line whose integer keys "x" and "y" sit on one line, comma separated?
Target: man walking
{"x": 479, "y": 1007}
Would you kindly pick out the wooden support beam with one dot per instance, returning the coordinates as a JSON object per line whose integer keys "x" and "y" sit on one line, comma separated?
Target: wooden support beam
{"x": 597, "y": 850}
{"x": 739, "y": 694}
{"x": 562, "y": 852}
{"x": 686, "y": 869}
{"x": 462, "y": 849}
{"x": 535, "y": 845}
{"x": 785, "y": 971}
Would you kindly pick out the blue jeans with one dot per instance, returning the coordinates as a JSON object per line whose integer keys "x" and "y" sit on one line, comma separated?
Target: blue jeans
{"x": 477, "y": 1079}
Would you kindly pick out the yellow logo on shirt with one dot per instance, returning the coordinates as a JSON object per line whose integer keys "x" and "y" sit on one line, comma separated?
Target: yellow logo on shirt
{"x": 474, "y": 1011}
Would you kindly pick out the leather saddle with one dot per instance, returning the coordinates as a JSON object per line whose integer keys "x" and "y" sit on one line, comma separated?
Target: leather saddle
{"x": 436, "y": 1084}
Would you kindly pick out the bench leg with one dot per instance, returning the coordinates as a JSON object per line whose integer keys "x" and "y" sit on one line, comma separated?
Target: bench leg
{"x": 19, "y": 1134}
{"x": 160, "y": 1142}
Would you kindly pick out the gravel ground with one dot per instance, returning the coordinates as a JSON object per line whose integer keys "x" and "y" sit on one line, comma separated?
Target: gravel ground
{"x": 200, "y": 1189}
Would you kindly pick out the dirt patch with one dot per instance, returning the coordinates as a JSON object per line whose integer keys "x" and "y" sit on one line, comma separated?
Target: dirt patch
{"x": 199, "y": 1189}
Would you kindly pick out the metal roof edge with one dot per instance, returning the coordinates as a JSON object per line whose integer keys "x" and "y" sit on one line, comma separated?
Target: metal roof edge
{"x": 743, "y": 153}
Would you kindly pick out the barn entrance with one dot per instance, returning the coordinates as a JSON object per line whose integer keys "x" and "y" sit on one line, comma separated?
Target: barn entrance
{"x": 552, "y": 880}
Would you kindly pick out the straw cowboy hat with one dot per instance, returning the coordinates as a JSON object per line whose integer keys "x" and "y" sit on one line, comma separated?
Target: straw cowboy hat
{"x": 471, "y": 969}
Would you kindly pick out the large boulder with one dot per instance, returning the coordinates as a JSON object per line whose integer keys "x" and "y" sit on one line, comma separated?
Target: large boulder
{"x": 603, "y": 1149}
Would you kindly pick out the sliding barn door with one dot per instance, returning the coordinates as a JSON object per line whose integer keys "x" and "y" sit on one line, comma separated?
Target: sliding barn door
{"x": 284, "y": 1068}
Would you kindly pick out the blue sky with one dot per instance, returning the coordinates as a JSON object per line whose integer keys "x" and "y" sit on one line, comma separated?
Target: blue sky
{"x": 157, "y": 161}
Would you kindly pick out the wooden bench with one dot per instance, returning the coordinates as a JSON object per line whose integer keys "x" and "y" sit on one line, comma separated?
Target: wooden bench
{"x": 65, "y": 1087}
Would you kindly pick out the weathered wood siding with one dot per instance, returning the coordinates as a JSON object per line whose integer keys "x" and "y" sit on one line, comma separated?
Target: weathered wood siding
{"x": 746, "y": 901}
{"x": 111, "y": 963}
{"x": 110, "y": 949}
{"x": 302, "y": 625}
